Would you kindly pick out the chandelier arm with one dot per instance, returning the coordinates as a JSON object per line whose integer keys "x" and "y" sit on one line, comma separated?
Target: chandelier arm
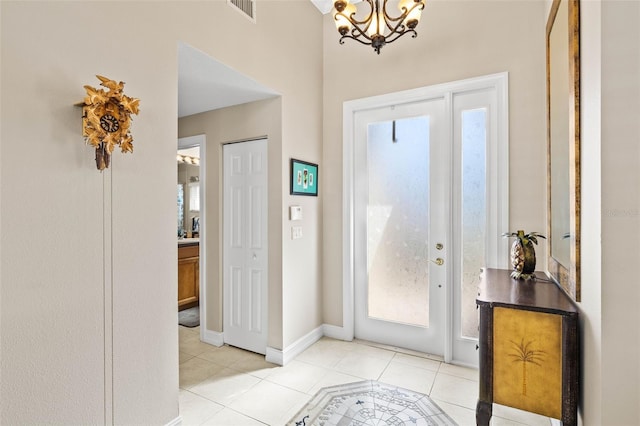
{"x": 357, "y": 32}
{"x": 365, "y": 20}
{"x": 388, "y": 19}
{"x": 399, "y": 26}
{"x": 413, "y": 33}
{"x": 356, "y": 39}
{"x": 351, "y": 20}
{"x": 373, "y": 12}
{"x": 400, "y": 19}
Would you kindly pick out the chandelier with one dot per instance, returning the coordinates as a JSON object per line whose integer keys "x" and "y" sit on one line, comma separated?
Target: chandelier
{"x": 378, "y": 27}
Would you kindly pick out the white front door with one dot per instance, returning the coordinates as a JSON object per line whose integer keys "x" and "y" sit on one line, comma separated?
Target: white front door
{"x": 402, "y": 221}
{"x": 245, "y": 256}
{"x": 426, "y": 177}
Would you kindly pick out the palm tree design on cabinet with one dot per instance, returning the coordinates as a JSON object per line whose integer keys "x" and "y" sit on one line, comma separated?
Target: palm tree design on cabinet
{"x": 524, "y": 353}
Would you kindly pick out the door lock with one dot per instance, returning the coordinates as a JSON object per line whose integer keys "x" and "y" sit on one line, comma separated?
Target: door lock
{"x": 439, "y": 261}
{"x": 439, "y": 246}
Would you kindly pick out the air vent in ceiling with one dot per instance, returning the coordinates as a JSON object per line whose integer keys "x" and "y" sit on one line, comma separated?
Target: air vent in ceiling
{"x": 247, "y": 7}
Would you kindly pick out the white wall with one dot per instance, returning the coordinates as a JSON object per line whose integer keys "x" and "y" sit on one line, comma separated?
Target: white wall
{"x": 291, "y": 66}
{"x": 610, "y": 218}
{"x": 456, "y": 40}
{"x": 77, "y": 298}
{"x": 88, "y": 270}
{"x": 620, "y": 153}
{"x": 590, "y": 410}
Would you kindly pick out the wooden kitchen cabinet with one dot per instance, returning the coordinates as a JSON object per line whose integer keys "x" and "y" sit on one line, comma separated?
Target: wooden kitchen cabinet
{"x": 528, "y": 347}
{"x": 188, "y": 275}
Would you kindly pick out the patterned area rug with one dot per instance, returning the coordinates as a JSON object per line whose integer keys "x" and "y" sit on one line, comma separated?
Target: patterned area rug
{"x": 370, "y": 403}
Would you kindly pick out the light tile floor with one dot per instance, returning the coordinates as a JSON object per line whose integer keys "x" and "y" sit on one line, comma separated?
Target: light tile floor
{"x": 227, "y": 386}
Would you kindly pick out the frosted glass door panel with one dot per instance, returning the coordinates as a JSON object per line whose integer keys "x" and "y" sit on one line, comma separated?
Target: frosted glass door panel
{"x": 474, "y": 213}
{"x": 398, "y": 221}
{"x": 401, "y": 216}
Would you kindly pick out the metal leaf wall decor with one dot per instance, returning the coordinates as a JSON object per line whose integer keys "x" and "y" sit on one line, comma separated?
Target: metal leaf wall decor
{"x": 106, "y": 120}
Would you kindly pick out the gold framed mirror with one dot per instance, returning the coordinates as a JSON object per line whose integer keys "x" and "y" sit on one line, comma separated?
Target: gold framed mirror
{"x": 563, "y": 145}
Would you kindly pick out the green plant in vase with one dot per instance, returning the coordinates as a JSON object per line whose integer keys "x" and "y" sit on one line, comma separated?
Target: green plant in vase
{"x": 523, "y": 254}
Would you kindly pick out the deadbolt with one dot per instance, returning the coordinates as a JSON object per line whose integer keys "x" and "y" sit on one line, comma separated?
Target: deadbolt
{"x": 439, "y": 261}
{"x": 439, "y": 246}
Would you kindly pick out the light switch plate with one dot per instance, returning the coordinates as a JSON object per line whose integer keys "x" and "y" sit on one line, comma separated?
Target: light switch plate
{"x": 296, "y": 232}
{"x": 295, "y": 212}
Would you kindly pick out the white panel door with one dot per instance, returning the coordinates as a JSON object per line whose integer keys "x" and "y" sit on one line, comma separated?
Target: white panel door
{"x": 402, "y": 221}
{"x": 245, "y": 256}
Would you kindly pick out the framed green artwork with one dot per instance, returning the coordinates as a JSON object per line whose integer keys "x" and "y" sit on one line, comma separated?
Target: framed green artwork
{"x": 304, "y": 178}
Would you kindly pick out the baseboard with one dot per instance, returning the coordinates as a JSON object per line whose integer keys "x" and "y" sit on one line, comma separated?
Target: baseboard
{"x": 175, "y": 422}
{"x": 212, "y": 337}
{"x": 274, "y": 356}
{"x": 335, "y": 332}
{"x": 282, "y": 357}
{"x": 556, "y": 422}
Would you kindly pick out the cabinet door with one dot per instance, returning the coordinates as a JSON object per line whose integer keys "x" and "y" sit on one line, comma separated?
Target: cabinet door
{"x": 527, "y": 361}
{"x": 188, "y": 280}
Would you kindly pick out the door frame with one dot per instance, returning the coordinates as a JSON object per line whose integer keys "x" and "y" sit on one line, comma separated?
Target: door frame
{"x": 497, "y": 185}
{"x": 189, "y": 142}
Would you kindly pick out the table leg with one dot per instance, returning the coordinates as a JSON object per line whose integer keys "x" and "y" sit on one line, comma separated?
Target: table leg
{"x": 483, "y": 413}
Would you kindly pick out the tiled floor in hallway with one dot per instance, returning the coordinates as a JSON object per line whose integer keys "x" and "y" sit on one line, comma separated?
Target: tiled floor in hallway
{"x": 228, "y": 386}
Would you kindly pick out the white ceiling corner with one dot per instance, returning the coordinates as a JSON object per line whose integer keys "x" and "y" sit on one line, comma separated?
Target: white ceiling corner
{"x": 324, "y": 6}
{"x": 204, "y": 84}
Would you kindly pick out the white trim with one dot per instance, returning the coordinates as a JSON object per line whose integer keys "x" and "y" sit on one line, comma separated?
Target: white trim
{"x": 448, "y": 244}
{"x": 282, "y": 357}
{"x": 348, "y": 137}
{"x": 203, "y": 236}
{"x": 214, "y": 338}
{"x": 175, "y": 422}
{"x": 502, "y": 179}
{"x": 499, "y": 163}
{"x": 498, "y": 180}
{"x": 274, "y": 356}
{"x": 335, "y": 332}
{"x": 189, "y": 142}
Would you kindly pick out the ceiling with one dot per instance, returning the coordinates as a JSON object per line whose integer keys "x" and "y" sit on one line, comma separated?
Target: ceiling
{"x": 205, "y": 84}
{"x": 325, "y": 6}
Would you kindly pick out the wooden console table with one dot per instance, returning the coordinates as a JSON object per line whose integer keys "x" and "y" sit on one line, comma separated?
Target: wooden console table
{"x": 528, "y": 347}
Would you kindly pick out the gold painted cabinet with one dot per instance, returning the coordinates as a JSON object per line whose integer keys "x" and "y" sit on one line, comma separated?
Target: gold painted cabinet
{"x": 528, "y": 347}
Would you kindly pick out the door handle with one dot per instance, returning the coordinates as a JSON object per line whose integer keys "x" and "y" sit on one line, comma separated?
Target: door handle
{"x": 439, "y": 261}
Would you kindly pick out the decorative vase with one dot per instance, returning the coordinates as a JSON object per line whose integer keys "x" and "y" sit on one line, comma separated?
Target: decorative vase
{"x": 523, "y": 254}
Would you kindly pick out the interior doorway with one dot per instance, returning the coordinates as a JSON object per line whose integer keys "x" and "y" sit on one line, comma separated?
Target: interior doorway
{"x": 206, "y": 84}
{"x": 191, "y": 227}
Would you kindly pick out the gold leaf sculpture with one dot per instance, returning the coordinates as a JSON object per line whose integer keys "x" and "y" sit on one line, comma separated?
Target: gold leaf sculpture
{"x": 106, "y": 119}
